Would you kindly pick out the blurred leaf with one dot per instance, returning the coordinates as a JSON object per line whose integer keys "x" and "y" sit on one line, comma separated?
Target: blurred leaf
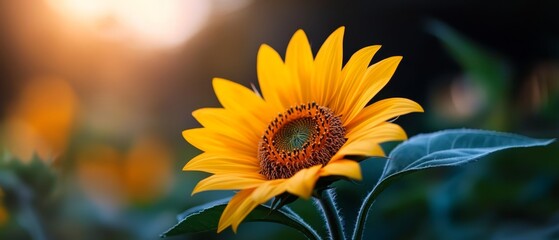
{"x": 36, "y": 174}
{"x": 488, "y": 72}
{"x": 441, "y": 149}
{"x": 28, "y": 184}
{"x": 485, "y": 68}
{"x": 206, "y": 217}
{"x": 524, "y": 230}
{"x": 25, "y": 212}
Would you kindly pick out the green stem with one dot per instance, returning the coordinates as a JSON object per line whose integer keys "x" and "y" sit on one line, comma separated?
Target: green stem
{"x": 362, "y": 214}
{"x": 334, "y": 223}
{"x": 306, "y": 229}
{"x": 366, "y": 205}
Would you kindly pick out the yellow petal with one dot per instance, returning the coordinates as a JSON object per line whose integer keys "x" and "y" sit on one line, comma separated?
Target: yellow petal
{"x": 210, "y": 141}
{"x": 229, "y": 123}
{"x": 242, "y": 212}
{"x": 231, "y": 181}
{"x": 222, "y": 163}
{"x": 241, "y": 204}
{"x": 261, "y": 194}
{"x": 361, "y": 147}
{"x": 328, "y": 67}
{"x": 242, "y": 100}
{"x": 299, "y": 63}
{"x": 278, "y": 88}
{"x": 245, "y": 201}
{"x": 352, "y": 72}
{"x": 380, "y": 133}
{"x": 375, "y": 78}
{"x": 365, "y": 142}
{"x": 382, "y": 111}
{"x": 268, "y": 190}
{"x": 302, "y": 183}
{"x": 342, "y": 167}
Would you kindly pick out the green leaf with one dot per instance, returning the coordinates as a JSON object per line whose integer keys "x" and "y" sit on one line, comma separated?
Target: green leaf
{"x": 206, "y": 217}
{"x": 25, "y": 211}
{"x": 451, "y": 148}
{"x": 440, "y": 149}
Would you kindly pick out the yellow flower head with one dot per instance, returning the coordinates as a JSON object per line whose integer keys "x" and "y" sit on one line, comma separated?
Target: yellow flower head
{"x": 312, "y": 113}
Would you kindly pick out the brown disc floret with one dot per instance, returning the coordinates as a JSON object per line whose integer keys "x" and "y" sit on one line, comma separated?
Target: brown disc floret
{"x": 303, "y": 136}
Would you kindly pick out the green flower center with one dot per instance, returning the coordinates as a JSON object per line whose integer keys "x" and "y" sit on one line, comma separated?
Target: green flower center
{"x": 295, "y": 134}
{"x": 302, "y": 137}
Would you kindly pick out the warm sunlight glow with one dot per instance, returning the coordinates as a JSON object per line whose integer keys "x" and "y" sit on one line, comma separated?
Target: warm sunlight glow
{"x": 144, "y": 22}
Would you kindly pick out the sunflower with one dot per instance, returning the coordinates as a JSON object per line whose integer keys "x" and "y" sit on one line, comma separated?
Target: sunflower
{"x": 312, "y": 114}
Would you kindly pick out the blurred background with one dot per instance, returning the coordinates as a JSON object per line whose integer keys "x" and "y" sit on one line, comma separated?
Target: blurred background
{"x": 94, "y": 96}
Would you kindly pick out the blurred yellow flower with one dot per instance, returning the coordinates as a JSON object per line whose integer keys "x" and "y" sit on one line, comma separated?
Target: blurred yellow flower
{"x": 99, "y": 174}
{"x": 311, "y": 115}
{"x": 41, "y": 119}
{"x": 112, "y": 178}
{"x": 148, "y": 170}
{"x": 3, "y": 211}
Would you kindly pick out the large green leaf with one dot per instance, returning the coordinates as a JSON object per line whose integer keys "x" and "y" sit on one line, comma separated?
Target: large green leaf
{"x": 206, "y": 217}
{"x": 451, "y": 148}
{"x": 440, "y": 149}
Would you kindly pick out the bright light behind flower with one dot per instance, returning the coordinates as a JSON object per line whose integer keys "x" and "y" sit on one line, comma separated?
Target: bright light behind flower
{"x": 147, "y": 23}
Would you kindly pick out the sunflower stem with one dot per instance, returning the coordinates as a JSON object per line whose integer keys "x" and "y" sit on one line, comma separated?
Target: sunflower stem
{"x": 365, "y": 207}
{"x": 309, "y": 232}
{"x": 326, "y": 203}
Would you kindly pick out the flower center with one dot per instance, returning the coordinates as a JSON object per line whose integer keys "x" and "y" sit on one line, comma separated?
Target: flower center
{"x": 293, "y": 135}
{"x": 303, "y": 136}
